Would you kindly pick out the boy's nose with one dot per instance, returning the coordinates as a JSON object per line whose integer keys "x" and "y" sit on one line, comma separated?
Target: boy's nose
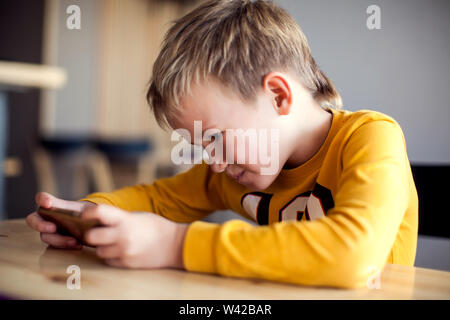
{"x": 219, "y": 167}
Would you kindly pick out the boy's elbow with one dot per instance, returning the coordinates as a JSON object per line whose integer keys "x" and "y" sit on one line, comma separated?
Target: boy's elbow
{"x": 352, "y": 276}
{"x": 350, "y": 270}
{"x": 356, "y": 269}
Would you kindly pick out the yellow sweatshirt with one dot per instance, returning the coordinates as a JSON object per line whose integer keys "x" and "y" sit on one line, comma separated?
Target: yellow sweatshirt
{"x": 333, "y": 221}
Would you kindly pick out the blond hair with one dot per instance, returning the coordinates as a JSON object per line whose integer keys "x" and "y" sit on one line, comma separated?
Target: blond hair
{"x": 238, "y": 42}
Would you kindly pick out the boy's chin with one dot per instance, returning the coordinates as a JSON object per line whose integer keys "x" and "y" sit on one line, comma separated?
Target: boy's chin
{"x": 260, "y": 183}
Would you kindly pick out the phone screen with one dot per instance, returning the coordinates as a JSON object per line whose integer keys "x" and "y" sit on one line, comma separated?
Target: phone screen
{"x": 69, "y": 222}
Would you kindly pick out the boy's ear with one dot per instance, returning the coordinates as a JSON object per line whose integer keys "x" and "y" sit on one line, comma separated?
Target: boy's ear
{"x": 276, "y": 84}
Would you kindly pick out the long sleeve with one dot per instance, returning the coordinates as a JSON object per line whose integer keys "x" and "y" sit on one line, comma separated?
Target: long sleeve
{"x": 185, "y": 197}
{"x": 340, "y": 249}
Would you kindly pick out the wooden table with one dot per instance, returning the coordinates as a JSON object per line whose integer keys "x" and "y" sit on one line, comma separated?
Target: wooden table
{"x": 29, "y": 269}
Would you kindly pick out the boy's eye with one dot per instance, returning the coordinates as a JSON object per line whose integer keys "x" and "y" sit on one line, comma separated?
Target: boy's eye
{"x": 216, "y": 136}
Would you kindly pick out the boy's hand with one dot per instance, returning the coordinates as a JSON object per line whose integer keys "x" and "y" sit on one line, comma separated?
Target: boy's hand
{"x": 47, "y": 228}
{"x": 136, "y": 239}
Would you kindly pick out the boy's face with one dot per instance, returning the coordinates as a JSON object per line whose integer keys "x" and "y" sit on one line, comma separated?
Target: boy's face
{"x": 252, "y": 163}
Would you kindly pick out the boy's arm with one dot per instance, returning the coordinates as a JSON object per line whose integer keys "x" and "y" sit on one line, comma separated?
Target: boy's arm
{"x": 186, "y": 197}
{"x": 342, "y": 249}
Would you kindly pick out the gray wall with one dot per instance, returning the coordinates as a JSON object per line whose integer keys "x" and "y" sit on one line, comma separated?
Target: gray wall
{"x": 402, "y": 70}
{"x": 77, "y": 53}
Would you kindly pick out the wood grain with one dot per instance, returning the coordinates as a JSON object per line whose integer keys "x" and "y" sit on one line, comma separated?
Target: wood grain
{"x": 31, "y": 270}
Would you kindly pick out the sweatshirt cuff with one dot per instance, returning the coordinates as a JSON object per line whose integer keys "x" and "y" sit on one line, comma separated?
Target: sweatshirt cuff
{"x": 198, "y": 250}
{"x": 98, "y": 200}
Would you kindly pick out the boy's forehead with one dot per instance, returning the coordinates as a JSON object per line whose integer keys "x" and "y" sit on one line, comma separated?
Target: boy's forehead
{"x": 187, "y": 115}
{"x": 207, "y": 105}
{"x": 192, "y": 121}
{"x": 213, "y": 104}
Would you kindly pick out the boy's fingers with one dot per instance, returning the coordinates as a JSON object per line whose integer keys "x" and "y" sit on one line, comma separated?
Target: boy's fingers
{"x": 59, "y": 241}
{"x": 101, "y": 236}
{"x": 108, "y": 252}
{"x": 35, "y": 221}
{"x": 107, "y": 215}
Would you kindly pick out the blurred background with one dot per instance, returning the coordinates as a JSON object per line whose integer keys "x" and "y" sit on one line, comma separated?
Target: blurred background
{"x": 74, "y": 120}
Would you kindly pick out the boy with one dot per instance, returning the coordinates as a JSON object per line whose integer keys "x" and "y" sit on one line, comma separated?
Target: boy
{"x": 339, "y": 203}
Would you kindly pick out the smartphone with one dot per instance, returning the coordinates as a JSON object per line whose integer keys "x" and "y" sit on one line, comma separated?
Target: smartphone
{"x": 69, "y": 222}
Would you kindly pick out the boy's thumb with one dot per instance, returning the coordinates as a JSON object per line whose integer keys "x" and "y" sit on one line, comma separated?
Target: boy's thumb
{"x": 45, "y": 200}
{"x": 48, "y": 201}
